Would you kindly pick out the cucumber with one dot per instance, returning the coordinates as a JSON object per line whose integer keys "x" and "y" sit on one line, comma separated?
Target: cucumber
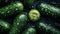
{"x": 4, "y": 25}
{"x": 47, "y": 28}
{"x": 34, "y": 15}
{"x": 28, "y": 2}
{"x": 18, "y": 24}
{"x": 49, "y": 10}
{"x": 29, "y": 30}
{"x": 15, "y": 7}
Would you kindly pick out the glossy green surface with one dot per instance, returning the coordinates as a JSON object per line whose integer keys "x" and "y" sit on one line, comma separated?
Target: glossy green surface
{"x": 49, "y": 10}
{"x": 18, "y": 23}
{"x": 29, "y": 30}
{"x": 4, "y": 25}
{"x": 15, "y": 7}
{"x": 48, "y": 28}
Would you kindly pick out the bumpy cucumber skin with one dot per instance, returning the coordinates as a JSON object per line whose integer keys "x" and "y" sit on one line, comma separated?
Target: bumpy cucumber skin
{"x": 15, "y": 7}
{"x": 18, "y": 24}
{"x": 49, "y": 10}
{"x": 29, "y": 30}
{"x": 47, "y": 28}
{"x": 4, "y": 25}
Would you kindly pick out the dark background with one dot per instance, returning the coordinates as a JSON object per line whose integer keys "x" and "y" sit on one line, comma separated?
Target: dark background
{"x": 53, "y": 22}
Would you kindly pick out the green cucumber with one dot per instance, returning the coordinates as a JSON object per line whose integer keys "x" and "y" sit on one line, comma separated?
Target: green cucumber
{"x": 47, "y": 28}
{"x": 4, "y": 25}
{"x": 34, "y": 15}
{"x": 15, "y": 7}
{"x": 28, "y": 2}
{"x": 49, "y": 10}
{"x": 29, "y": 30}
{"x": 18, "y": 24}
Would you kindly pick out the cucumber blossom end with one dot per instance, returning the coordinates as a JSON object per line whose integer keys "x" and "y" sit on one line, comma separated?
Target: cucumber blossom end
{"x": 34, "y": 15}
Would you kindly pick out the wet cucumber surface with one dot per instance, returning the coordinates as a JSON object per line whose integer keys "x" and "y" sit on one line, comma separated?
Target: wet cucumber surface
{"x": 49, "y": 10}
{"x": 4, "y": 25}
{"x": 29, "y": 30}
{"x": 48, "y": 29}
{"x": 18, "y": 24}
{"x": 27, "y": 9}
{"x": 13, "y": 8}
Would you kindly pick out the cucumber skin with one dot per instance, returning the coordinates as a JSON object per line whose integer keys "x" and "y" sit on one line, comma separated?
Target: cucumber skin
{"x": 48, "y": 10}
{"x": 47, "y": 28}
{"x": 28, "y": 2}
{"x": 18, "y": 24}
{"x": 4, "y": 25}
{"x": 15, "y": 7}
{"x": 29, "y": 30}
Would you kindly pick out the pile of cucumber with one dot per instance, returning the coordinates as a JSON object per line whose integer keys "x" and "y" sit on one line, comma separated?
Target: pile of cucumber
{"x": 27, "y": 19}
